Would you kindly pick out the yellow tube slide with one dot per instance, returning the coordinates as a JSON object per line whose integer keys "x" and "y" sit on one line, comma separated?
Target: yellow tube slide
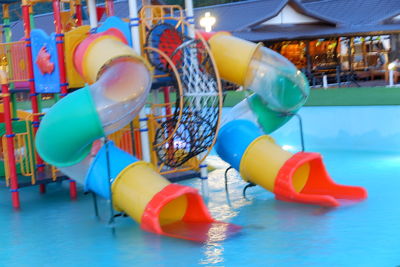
{"x": 262, "y": 161}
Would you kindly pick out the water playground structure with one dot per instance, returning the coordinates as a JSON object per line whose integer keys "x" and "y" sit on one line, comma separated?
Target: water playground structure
{"x": 113, "y": 133}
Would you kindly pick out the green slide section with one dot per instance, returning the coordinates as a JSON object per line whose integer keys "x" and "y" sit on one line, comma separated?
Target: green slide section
{"x": 269, "y": 120}
{"x": 68, "y": 129}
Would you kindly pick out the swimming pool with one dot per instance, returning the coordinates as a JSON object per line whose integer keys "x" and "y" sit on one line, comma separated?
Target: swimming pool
{"x": 360, "y": 145}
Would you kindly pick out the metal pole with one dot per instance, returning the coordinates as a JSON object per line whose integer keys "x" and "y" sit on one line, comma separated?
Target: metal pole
{"x": 391, "y": 80}
{"x": 92, "y": 15}
{"x": 144, "y": 135}
{"x": 204, "y": 181}
{"x": 134, "y": 25}
{"x": 95, "y": 206}
{"x": 308, "y": 57}
{"x": 350, "y": 53}
{"x": 190, "y": 17}
{"x": 143, "y": 120}
{"x": 191, "y": 32}
{"x": 324, "y": 81}
{"x": 111, "y": 221}
{"x": 301, "y": 131}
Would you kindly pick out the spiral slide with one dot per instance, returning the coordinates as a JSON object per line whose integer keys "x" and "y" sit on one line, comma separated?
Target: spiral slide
{"x": 279, "y": 91}
{"x": 120, "y": 81}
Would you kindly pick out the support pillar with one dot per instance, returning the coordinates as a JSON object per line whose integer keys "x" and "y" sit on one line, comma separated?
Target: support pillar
{"x": 10, "y": 142}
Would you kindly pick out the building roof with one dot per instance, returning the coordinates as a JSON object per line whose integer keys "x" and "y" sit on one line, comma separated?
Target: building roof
{"x": 247, "y": 14}
{"x": 336, "y": 18}
{"x": 247, "y": 19}
{"x": 355, "y": 12}
{"x": 241, "y": 14}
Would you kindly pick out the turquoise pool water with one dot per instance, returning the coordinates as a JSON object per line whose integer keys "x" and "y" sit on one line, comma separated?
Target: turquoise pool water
{"x": 51, "y": 230}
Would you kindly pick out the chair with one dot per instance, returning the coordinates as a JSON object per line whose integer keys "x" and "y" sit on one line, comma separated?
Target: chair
{"x": 378, "y": 73}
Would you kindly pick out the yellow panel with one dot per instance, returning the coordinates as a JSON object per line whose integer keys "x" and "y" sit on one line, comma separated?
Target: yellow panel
{"x": 72, "y": 39}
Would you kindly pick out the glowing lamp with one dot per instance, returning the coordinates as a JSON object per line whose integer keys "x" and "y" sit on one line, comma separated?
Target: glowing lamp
{"x": 207, "y": 22}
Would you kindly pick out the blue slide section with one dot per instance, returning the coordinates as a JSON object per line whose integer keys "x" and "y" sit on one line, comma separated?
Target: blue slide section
{"x": 233, "y": 140}
{"x": 98, "y": 177}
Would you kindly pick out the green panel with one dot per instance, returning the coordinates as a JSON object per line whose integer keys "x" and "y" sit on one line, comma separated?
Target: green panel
{"x": 345, "y": 96}
{"x": 269, "y": 120}
{"x": 40, "y": 103}
{"x": 355, "y": 96}
{"x": 32, "y": 21}
{"x": 68, "y": 129}
{"x": 17, "y": 126}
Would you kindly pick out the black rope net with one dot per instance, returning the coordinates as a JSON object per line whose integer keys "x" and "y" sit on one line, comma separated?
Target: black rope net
{"x": 192, "y": 129}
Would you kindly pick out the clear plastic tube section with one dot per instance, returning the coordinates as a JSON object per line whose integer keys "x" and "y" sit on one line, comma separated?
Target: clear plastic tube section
{"x": 118, "y": 95}
{"x": 276, "y": 80}
{"x": 120, "y": 92}
{"x": 280, "y": 89}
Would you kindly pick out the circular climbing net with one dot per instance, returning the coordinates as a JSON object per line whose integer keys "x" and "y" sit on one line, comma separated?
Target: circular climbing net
{"x": 191, "y": 130}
